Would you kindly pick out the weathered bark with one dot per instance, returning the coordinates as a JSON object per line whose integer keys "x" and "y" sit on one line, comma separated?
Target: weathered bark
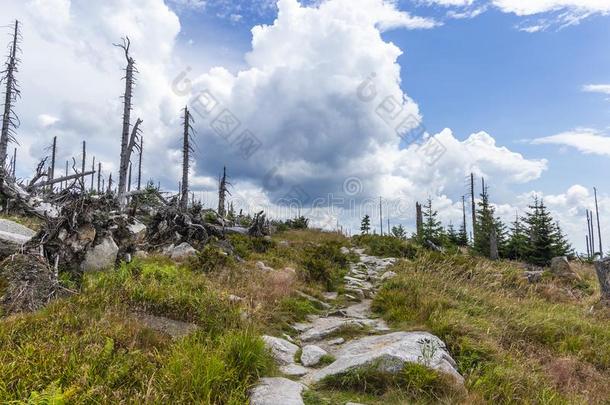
{"x": 602, "y": 268}
{"x": 419, "y": 219}
{"x": 9, "y": 119}
{"x": 187, "y": 148}
{"x": 473, "y": 205}
{"x": 31, "y": 204}
{"x": 82, "y": 170}
{"x": 99, "y": 176}
{"x": 62, "y": 179}
{"x": 599, "y": 230}
{"x": 92, "y": 175}
{"x": 127, "y": 97}
{"x": 222, "y": 193}
{"x": 140, "y": 163}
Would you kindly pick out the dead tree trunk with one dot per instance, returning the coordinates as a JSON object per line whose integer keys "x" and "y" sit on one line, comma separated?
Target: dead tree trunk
{"x": 82, "y": 167}
{"x": 599, "y": 230}
{"x": 129, "y": 178}
{"x": 419, "y": 219}
{"x": 14, "y": 165}
{"x": 222, "y": 193}
{"x": 10, "y": 121}
{"x": 473, "y": 205}
{"x": 125, "y": 141}
{"x": 92, "y": 174}
{"x": 99, "y": 176}
{"x": 53, "y": 156}
{"x": 602, "y": 268}
{"x": 187, "y": 148}
{"x": 140, "y": 163}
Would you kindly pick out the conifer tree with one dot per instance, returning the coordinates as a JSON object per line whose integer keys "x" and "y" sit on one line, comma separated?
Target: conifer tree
{"x": 431, "y": 228}
{"x": 540, "y": 232}
{"x": 399, "y": 232}
{"x": 486, "y": 224}
{"x": 517, "y": 243}
{"x": 561, "y": 246}
{"x": 365, "y": 225}
{"x": 453, "y": 236}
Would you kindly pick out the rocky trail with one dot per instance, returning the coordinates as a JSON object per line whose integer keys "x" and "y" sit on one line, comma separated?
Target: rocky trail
{"x": 348, "y": 337}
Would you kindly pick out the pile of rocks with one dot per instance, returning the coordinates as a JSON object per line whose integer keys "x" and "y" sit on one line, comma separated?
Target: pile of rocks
{"x": 374, "y": 345}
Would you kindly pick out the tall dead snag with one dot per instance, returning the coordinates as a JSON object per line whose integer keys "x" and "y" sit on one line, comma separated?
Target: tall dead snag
{"x": 473, "y": 205}
{"x": 599, "y": 229}
{"x": 187, "y": 149}
{"x": 99, "y": 176}
{"x": 126, "y": 143}
{"x": 10, "y": 121}
{"x": 419, "y": 219}
{"x": 222, "y": 193}
{"x": 140, "y": 162}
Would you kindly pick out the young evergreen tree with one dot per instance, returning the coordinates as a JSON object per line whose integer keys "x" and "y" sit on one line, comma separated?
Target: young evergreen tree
{"x": 540, "y": 231}
{"x": 462, "y": 236}
{"x": 486, "y": 224}
{"x": 561, "y": 246}
{"x": 432, "y": 230}
{"x": 365, "y": 225}
{"x": 517, "y": 243}
{"x": 453, "y": 237}
{"x": 399, "y": 232}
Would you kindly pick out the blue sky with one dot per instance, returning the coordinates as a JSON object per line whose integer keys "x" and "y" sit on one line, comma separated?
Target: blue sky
{"x": 482, "y": 74}
{"x": 501, "y": 88}
{"x": 477, "y": 74}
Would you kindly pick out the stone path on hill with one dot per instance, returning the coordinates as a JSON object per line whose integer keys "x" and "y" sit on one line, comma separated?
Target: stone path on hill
{"x": 367, "y": 340}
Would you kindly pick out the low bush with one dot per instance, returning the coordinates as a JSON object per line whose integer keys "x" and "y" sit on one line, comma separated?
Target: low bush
{"x": 325, "y": 263}
{"x": 386, "y": 246}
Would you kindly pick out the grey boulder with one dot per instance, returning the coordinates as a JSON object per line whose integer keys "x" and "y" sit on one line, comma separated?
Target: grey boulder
{"x": 389, "y": 353}
{"x": 277, "y": 391}
{"x": 101, "y": 256}
{"x": 282, "y": 350}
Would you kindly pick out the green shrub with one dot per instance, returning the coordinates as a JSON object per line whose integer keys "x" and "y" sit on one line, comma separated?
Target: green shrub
{"x": 210, "y": 259}
{"x": 325, "y": 264}
{"x": 244, "y": 245}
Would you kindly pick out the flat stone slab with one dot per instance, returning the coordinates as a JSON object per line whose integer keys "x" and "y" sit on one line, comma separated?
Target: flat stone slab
{"x": 323, "y": 327}
{"x": 294, "y": 370}
{"x": 277, "y": 391}
{"x": 390, "y": 353}
{"x": 361, "y": 310}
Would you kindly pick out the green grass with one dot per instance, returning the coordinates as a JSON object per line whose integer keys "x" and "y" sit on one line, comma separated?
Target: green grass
{"x": 507, "y": 336}
{"x": 414, "y": 382}
{"x": 386, "y": 246}
{"x": 90, "y": 348}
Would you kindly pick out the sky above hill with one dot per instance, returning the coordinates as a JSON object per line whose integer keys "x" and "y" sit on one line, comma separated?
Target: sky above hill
{"x": 335, "y": 103}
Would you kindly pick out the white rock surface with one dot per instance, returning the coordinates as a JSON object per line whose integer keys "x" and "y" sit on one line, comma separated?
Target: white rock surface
{"x": 277, "y": 391}
{"x": 263, "y": 267}
{"x": 182, "y": 251}
{"x": 101, "y": 256}
{"x": 294, "y": 370}
{"x": 282, "y": 350}
{"x": 323, "y": 327}
{"x": 12, "y": 232}
{"x": 390, "y": 353}
{"x": 311, "y": 355}
{"x": 137, "y": 230}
